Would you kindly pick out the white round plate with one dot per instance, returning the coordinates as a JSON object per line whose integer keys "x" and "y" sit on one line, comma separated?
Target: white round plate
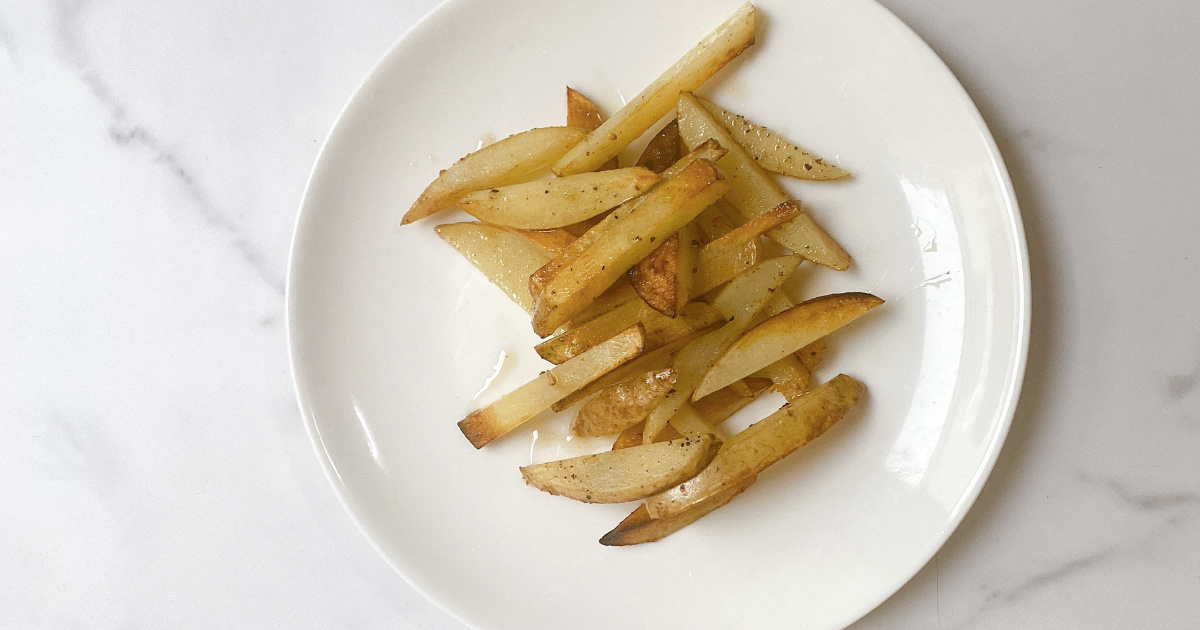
{"x": 393, "y": 335}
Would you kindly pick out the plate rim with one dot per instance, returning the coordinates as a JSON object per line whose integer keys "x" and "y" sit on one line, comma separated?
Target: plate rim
{"x": 1006, "y": 411}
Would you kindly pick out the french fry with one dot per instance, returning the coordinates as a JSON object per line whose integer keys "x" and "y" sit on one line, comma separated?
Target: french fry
{"x": 739, "y": 302}
{"x": 788, "y": 375}
{"x": 716, "y": 221}
{"x": 664, "y": 149}
{"x": 583, "y": 114}
{"x": 552, "y": 203}
{"x": 812, "y": 354}
{"x": 761, "y": 444}
{"x": 660, "y": 329}
{"x": 505, "y": 257}
{"x": 638, "y": 527}
{"x": 688, "y": 422}
{"x": 716, "y": 407}
{"x": 663, "y": 210}
{"x": 623, "y": 475}
{"x": 782, "y": 335}
{"x": 771, "y": 151}
{"x": 512, "y": 160}
{"x": 752, "y": 191}
{"x": 664, "y": 278}
{"x": 616, "y": 295}
{"x": 729, "y": 255}
{"x": 521, "y": 404}
{"x": 656, "y": 100}
{"x": 633, "y": 436}
{"x": 622, "y": 405}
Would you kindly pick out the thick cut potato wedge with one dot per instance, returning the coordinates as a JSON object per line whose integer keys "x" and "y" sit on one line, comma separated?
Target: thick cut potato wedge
{"x": 664, "y": 278}
{"x": 740, "y": 301}
{"x": 583, "y": 114}
{"x": 633, "y": 436}
{"x": 782, "y": 335}
{"x": 762, "y": 444}
{"x": 710, "y": 151}
{"x": 623, "y": 475}
{"x": 515, "y": 159}
{"x": 716, "y": 407}
{"x": 638, "y": 527}
{"x": 505, "y": 257}
{"x": 729, "y": 255}
{"x": 647, "y": 108}
{"x": 622, "y": 405}
{"x": 752, "y": 191}
{"x": 771, "y": 151}
{"x": 521, "y": 404}
{"x": 663, "y": 210}
{"x": 551, "y": 203}
{"x": 660, "y": 329}
{"x": 664, "y": 149}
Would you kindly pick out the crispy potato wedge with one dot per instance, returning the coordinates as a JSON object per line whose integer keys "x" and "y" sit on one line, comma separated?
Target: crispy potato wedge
{"x": 504, "y": 257}
{"x": 638, "y": 527}
{"x": 782, "y": 335}
{"x": 663, "y": 210}
{"x": 664, "y": 149}
{"x": 521, "y": 404}
{"x": 664, "y": 278}
{"x": 761, "y": 444}
{"x": 660, "y": 329}
{"x": 512, "y": 160}
{"x": 812, "y": 354}
{"x": 771, "y": 151}
{"x": 710, "y": 151}
{"x": 551, "y": 203}
{"x": 622, "y": 405}
{"x": 738, "y": 302}
{"x": 553, "y": 241}
{"x": 583, "y": 114}
{"x": 656, "y": 100}
{"x": 633, "y": 436}
{"x": 716, "y": 407}
{"x": 623, "y": 475}
{"x": 752, "y": 191}
{"x": 731, "y": 254}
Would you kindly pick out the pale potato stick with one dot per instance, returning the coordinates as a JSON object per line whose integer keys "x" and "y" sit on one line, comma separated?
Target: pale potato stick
{"x": 771, "y": 151}
{"x": 664, "y": 149}
{"x": 622, "y": 405}
{"x": 552, "y": 203}
{"x": 782, "y": 335}
{"x": 633, "y": 436}
{"x": 553, "y": 241}
{"x": 739, "y": 301}
{"x": 654, "y": 102}
{"x": 663, "y": 210}
{"x": 583, "y": 114}
{"x": 716, "y": 407}
{"x": 726, "y": 257}
{"x": 638, "y": 527}
{"x": 512, "y": 160}
{"x": 504, "y": 257}
{"x": 660, "y": 329}
{"x": 623, "y": 475}
{"x": 752, "y": 190}
{"x": 521, "y": 404}
{"x": 761, "y": 444}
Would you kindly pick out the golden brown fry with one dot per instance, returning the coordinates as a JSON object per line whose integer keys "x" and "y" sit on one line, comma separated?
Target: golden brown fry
{"x": 762, "y": 444}
{"x": 552, "y": 203}
{"x": 504, "y": 257}
{"x": 638, "y": 527}
{"x": 521, "y": 404}
{"x": 664, "y": 149}
{"x": 660, "y": 329}
{"x": 664, "y": 278}
{"x": 729, "y": 255}
{"x": 648, "y": 107}
{"x": 622, "y": 405}
{"x": 771, "y": 151}
{"x": 623, "y": 475}
{"x": 583, "y": 114}
{"x": 515, "y": 159}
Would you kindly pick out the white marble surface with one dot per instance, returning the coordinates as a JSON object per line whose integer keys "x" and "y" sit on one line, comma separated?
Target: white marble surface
{"x": 154, "y": 472}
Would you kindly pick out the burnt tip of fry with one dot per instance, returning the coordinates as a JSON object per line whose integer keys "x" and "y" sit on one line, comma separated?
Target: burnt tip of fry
{"x": 476, "y": 428}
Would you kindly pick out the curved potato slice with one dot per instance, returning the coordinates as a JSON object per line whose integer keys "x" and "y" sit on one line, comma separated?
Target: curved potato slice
{"x": 761, "y": 444}
{"x": 550, "y": 203}
{"x": 622, "y": 405}
{"x": 782, "y": 335}
{"x": 512, "y": 160}
{"x": 623, "y": 475}
{"x": 771, "y": 150}
{"x": 504, "y": 257}
{"x": 638, "y": 527}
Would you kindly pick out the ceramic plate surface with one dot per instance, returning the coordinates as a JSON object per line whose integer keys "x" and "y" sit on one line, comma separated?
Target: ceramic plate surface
{"x": 394, "y": 337}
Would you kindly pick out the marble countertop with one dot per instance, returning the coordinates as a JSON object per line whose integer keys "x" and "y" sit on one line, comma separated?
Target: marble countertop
{"x": 155, "y": 471}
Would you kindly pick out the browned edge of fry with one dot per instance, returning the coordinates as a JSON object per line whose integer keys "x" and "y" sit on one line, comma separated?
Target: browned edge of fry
{"x": 664, "y": 149}
{"x": 638, "y": 527}
{"x": 655, "y": 278}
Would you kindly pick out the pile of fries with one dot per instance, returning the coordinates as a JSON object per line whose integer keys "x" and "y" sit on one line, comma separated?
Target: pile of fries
{"x": 660, "y": 290}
